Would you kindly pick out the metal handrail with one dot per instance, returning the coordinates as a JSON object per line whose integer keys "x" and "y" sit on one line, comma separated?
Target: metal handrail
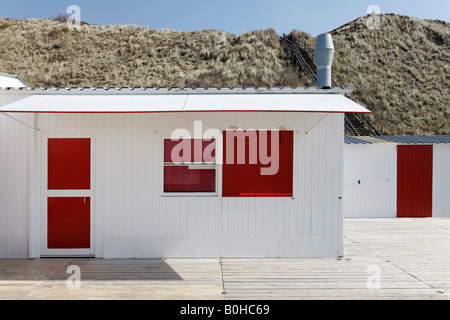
{"x": 370, "y": 125}
{"x": 298, "y": 58}
{"x": 293, "y": 44}
{"x": 350, "y": 127}
{"x": 306, "y": 47}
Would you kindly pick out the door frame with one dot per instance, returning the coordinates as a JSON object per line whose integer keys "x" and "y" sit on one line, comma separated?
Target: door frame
{"x": 45, "y": 193}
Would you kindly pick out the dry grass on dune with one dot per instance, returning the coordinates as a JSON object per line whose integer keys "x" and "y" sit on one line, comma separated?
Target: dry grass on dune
{"x": 47, "y": 53}
{"x": 401, "y": 70}
{"x": 253, "y": 59}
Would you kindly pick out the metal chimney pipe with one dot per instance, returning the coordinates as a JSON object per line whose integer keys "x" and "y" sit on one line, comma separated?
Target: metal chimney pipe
{"x": 324, "y": 54}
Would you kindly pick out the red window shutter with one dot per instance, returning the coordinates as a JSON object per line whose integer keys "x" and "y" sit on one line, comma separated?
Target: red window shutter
{"x": 243, "y": 180}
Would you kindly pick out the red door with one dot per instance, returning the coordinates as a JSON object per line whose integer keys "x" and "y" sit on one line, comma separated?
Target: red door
{"x": 69, "y": 223}
{"x": 414, "y": 181}
{"x": 68, "y": 193}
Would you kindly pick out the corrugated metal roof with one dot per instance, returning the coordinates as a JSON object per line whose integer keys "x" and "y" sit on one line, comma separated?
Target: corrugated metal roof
{"x": 417, "y": 139}
{"x": 174, "y": 90}
{"x": 353, "y": 140}
{"x": 373, "y": 139}
{"x": 398, "y": 139}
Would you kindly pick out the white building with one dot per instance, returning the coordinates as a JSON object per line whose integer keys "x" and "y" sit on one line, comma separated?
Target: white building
{"x": 91, "y": 172}
{"x": 404, "y": 176}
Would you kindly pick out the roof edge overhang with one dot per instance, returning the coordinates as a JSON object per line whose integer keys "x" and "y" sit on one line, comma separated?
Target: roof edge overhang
{"x": 23, "y": 84}
{"x": 188, "y": 111}
{"x": 167, "y": 100}
{"x": 167, "y": 103}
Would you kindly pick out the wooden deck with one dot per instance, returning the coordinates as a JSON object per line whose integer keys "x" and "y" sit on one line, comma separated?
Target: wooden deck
{"x": 411, "y": 257}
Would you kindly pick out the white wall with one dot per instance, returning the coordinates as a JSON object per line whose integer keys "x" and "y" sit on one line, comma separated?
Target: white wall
{"x": 375, "y": 166}
{"x": 441, "y": 180}
{"x": 133, "y": 220}
{"x": 14, "y": 181}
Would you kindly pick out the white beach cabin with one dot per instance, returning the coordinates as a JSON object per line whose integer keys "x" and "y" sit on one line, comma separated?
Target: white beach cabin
{"x": 94, "y": 172}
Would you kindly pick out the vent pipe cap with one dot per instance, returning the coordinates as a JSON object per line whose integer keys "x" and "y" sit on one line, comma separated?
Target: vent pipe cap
{"x": 324, "y": 54}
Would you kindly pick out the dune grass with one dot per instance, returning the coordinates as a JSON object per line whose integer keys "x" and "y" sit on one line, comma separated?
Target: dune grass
{"x": 401, "y": 71}
{"x": 46, "y": 53}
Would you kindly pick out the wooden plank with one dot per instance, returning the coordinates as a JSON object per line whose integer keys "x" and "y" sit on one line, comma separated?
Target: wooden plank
{"x": 412, "y": 256}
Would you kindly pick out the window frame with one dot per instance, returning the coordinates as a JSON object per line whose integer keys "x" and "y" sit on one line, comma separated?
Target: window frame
{"x": 216, "y": 193}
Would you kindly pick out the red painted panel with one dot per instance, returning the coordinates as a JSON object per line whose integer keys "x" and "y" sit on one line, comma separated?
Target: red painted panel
{"x": 69, "y": 164}
{"x": 246, "y": 180}
{"x": 68, "y": 224}
{"x": 182, "y": 179}
{"x": 414, "y": 180}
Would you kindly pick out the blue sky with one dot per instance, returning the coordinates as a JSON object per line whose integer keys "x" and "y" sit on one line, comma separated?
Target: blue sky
{"x": 234, "y": 16}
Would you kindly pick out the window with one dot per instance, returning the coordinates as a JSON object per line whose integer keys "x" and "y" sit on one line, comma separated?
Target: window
{"x": 257, "y": 163}
{"x": 189, "y": 166}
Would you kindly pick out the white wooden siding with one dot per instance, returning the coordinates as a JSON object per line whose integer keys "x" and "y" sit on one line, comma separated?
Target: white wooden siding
{"x": 441, "y": 180}
{"x": 375, "y": 166}
{"x": 14, "y": 181}
{"x": 132, "y": 219}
